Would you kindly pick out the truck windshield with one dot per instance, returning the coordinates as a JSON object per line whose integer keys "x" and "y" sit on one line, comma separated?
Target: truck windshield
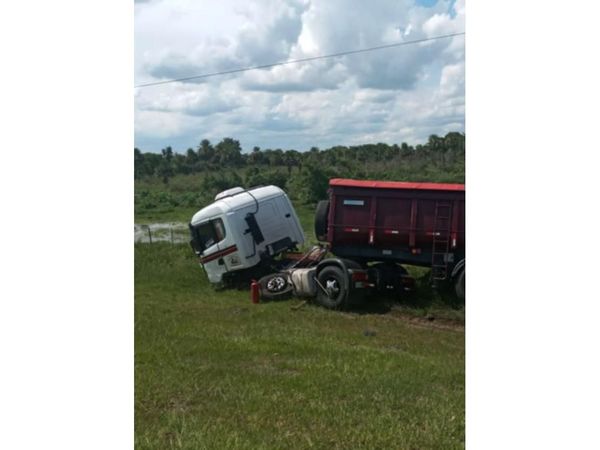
{"x": 207, "y": 234}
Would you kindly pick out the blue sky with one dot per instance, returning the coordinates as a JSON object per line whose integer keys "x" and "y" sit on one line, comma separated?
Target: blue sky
{"x": 395, "y": 95}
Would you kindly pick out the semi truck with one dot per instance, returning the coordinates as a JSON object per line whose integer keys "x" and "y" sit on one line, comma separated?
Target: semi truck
{"x": 370, "y": 229}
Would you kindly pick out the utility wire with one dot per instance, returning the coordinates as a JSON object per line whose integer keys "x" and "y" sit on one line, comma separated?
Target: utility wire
{"x": 294, "y": 61}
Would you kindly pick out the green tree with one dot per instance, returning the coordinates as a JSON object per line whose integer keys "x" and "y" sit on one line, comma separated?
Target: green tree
{"x": 192, "y": 161}
{"x": 310, "y": 185}
{"x": 165, "y": 169}
{"x": 206, "y": 151}
{"x": 138, "y": 163}
{"x": 228, "y": 152}
{"x": 256, "y": 157}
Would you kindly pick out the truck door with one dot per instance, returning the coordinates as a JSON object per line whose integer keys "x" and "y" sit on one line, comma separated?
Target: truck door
{"x": 207, "y": 240}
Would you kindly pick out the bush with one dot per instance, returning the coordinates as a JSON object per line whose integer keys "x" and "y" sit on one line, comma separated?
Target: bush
{"x": 310, "y": 185}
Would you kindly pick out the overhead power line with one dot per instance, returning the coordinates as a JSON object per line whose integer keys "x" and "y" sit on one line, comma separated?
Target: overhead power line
{"x": 295, "y": 61}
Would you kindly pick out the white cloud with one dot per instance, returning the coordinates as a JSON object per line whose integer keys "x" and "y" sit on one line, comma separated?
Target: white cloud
{"x": 452, "y": 82}
{"x": 202, "y": 100}
{"x": 160, "y": 124}
{"x": 405, "y": 93}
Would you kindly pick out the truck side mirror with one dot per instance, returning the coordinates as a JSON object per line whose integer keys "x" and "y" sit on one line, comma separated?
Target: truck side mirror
{"x": 253, "y": 228}
{"x": 195, "y": 247}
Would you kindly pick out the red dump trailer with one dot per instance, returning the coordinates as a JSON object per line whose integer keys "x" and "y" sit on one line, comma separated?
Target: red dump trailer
{"x": 373, "y": 227}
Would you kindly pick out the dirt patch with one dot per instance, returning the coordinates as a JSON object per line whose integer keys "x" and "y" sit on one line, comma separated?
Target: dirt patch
{"x": 446, "y": 319}
{"x": 428, "y": 321}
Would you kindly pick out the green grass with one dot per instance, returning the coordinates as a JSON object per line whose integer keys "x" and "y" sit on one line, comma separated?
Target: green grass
{"x": 166, "y": 215}
{"x": 214, "y": 371}
{"x": 306, "y": 215}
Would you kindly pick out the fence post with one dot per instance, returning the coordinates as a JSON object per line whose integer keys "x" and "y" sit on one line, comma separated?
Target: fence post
{"x": 149, "y": 234}
{"x": 171, "y": 228}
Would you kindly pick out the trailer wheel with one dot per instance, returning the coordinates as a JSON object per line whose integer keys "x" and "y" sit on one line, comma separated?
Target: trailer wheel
{"x": 387, "y": 276}
{"x": 331, "y": 291}
{"x": 459, "y": 285}
{"x": 275, "y": 286}
{"x": 321, "y": 220}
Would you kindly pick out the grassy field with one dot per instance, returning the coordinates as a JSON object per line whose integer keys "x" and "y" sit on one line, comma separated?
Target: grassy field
{"x": 214, "y": 371}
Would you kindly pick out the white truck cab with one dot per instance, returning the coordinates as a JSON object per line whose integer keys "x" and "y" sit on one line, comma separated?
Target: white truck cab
{"x": 242, "y": 229}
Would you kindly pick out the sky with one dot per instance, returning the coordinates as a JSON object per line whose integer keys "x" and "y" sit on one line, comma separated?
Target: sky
{"x": 401, "y": 94}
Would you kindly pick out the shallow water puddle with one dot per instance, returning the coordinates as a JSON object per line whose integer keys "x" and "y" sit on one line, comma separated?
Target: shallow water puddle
{"x": 175, "y": 232}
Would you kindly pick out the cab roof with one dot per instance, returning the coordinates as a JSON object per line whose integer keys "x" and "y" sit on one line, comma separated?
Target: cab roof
{"x": 235, "y": 201}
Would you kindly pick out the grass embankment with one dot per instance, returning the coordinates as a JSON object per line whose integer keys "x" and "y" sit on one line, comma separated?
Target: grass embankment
{"x": 214, "y": 371}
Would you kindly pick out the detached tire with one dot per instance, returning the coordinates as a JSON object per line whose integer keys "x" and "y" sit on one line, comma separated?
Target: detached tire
{"x": 459, "y": 285}
{"x": 275, "y": 286}
{"x": 321, "y": 220}
{"x": 333, "y": 280}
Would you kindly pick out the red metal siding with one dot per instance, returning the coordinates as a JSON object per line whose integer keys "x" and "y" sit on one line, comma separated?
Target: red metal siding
{"x": 351, "y": 217}
{"x": 393, "y": 220}
{"x": 392, "y": 214}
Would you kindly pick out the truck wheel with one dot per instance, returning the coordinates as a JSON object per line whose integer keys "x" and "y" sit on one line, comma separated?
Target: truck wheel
{"x": 275, "y": 286}
{"x": 333, "y": 281}
{"x": 321, "y": 220}
{"x": 387, "y": 274}
{"x": 459, "y": 285}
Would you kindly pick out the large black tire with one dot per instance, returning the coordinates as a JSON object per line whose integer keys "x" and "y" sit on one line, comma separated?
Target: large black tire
{"x": 275, "y": 286}
{"x": 333, "y": 279}
{"x": 321, "y": 220}
{"x": 459, "y": 285}
{"x": 385, "y": 273}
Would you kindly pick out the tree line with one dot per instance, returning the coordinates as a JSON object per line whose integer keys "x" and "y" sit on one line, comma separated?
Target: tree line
{"x": 227, "y": 154}
{"x": 193, "y": 178}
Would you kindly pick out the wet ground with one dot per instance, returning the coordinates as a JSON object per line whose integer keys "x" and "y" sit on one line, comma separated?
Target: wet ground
{"x": 175, "y": 232}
